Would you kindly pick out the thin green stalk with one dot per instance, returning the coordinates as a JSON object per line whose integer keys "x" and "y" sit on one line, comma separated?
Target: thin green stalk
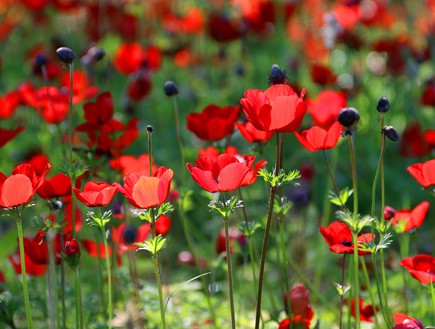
{"x": 285, "y": 263}
{"x": 23, "y": 272}
{"x": 343, "y": 264}
{"x": 432, "y": 293}
{"x": 70, "y": 142}
{"x": 153, "y": 232}
{"x": 180, "y": 141}
{"x": 375, "y": 180}
{"x": 266, "y": 235}
{"x": 355, "y": 234}
{"x": 52, "y": 282}
{"x": 384, "y": 277}
{"x": 230, "y": 272}
{"x": 331, "y": 175}
{"x": 379, "y": 291}
{"x": 79, "y": 302}
{"x": 369, "y": 288}
{"x": 184, "y": 225}
{"x": 109, "y": 277}
{"x": 404, "y": 251}
{"x": 62, "y": 282}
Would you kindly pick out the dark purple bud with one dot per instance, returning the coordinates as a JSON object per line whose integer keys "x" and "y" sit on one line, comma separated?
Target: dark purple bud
{"x": 383, "y": 105}
{"x": 391, "y": 133}
{"x": 170, "y": 88}
{"x": 276, "y": 75}
{"x": 66, "y": 55}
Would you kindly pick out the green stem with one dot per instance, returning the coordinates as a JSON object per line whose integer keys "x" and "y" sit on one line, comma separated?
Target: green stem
{"x": 432, "y": 293}
{"x": 62, "y": 282}
{"x": 355, "y": 234}
{"x": 379, "y": 291}
{"x": 343, "y": 264}
{"x": 70, "y": 142}
{"x": 369, "y": 288}
{"x": 375, "y": 180}
{"x": 331, "y": 175}
{"x": 109, "y": 277}
{"x": 285, "y": 263}
{"x": 23, "y": 272}
{"x": 230, "y": 272}
{"x": 266, "y": 235}
{"x": 52, "y": 283}
{"x": 384, "y": 278}
{"x": 180, "y": 142}
{"x": 79, "y": 302}
{"x": 404, "y": 251}
{"x": 184, "y": 224}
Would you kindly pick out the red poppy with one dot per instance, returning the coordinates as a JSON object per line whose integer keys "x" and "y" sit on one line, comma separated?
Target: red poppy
{"x": 212, "y": 152}
{"x": 125, "y": 236}
{"x": 95, "y": 250}
{"x": 214, "y": 122}
{"x": 191, "y": 23}
{"x": 31, "y": 267}
{"x": 163, "y": 224}
{"x": 37, "y": 249}
{"x": 8, "y": 104}
{"x": 222, "y": 174}
{"x": 421, "y": 267}
{"x": 424, "y": 173}
{"x": 251, "y": 176}
{"x": 406, "y": 322}
{"x": 20, "y": 186}
{"x": 130, "y": 164}
{"x": 322, "y": 75}
{"x": 428, "y": 96}
{"x": 367, "y": 312}
{"x": 347, "y": 15}
{"x": 140, "y": 85}
{"x": 316, "y": 138}
{"x": 429, "y": 136}
{"x": 96, "y": 194}
{"x": 413, "y": 142}
{"x": 236, "y": 238}
{"x": 277, "y": 109}
{"x": 67, "y": 221}
{"x": 252, "y": 134}
{"x": 339, "y": 238}
{"x": 325, "y": 108}
{"x": 130, "y": 56}
{"x": 6, "y": 135}
{"x": 302, "y": 312}
{"x": 100, "y": 111}
{"x": 222, "y": 29}
{"x": 82, "y": 87}
{"x": 55, "y": 187}
{"x": 144, "y": 191}
{"x": 411, "y": 219}
{"x": 2, "y": 278}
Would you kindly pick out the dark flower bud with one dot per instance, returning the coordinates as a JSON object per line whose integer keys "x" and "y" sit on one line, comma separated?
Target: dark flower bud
{"x": 40, "y": 60}
{"x": 66, "y": 55}
{"x": 55, "y": 205}
{"x": 277, "y": 76}
{"x": 391, "y": 133}
{"x": 130, "y": 235}
{"x": 170, "y": 88}
{"x": 72, "y": 253}
{"x": 348, "y": 117}
{"x": 389, "y": 212}
{"x": 150, "y": 129}
{"x": 97, "y": 54}
{"x": 383, "y": 105}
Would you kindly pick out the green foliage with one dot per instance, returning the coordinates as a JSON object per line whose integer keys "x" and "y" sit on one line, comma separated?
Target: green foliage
{"x": 99, "y": 220}
{"x": 282, "y": 178}
{"x": 342, "y": 198}
{"x": 153, "y": 246}
{"x": 225, "y": 208}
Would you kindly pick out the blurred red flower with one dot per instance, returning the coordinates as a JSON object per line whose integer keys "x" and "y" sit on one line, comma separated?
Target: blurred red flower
{"x": 236, "y": 238}
{"x": 125, "y": 236}
{"x": 131, "y": 164}
{"x": 37, "y": 249}
{"x": 82, "y": 89}
{"x": 98, "y": 250}
{"x": 20, "y": 186}
{"x": 322, "y": 75}
{"x": 302, "y": 312}
{"x": 140, "y": 85}
{"x": 325, "y": 108}
{"x": 424, "y": 173}
{"x": 100, "y": 111}
{"x": 339, "y": 238}
{"x": 191, "y": 23}
{"x": 96, "y": 194}
{"x": 367, "y": 312}
{"x": 421, "y": 267}
{"x": 277, "y": 109}
{"x": 31, "y": 267}
{"x": 406, "y": 322}
{"x": 316, "y": 138}
{"x": 252, "y": 134}
{"x": 222, "y": 29}
{"x": 214, "y": 122}
{"x": 411, "y": 219}
{"x": 428, "y": 96}
{"x": 6, "y": 135}
{"x": 413, "y": 142}
{"x": 144, "y": 191}
{"x": 222, "y": 174}
{"x": 8, "y": 104}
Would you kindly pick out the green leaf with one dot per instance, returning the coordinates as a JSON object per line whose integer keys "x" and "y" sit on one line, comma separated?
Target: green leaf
{"x": 342, "y": 290}
{"x": 249, "y": 229}
{"x": 342, "y": 198}
{"x": 153, "y": 246}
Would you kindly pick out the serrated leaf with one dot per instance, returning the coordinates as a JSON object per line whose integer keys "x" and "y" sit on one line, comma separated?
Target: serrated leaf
{"x": 341, "y": 199}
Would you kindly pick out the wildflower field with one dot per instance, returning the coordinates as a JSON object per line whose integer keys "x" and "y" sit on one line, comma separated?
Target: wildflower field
{"x": 217, "y": 164}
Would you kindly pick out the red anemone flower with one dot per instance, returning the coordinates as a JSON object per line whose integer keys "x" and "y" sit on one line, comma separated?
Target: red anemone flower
{"x": 406, "y": 322}
{"x": 8, "y": 104}
{"x": 277, "y": 109}
{"x": 31, "y": 267}
{"x": 101, "y": 111}
{"x": 252, "y": 134}
{"x": 6, "y": 135}
{"x": 144, "y": 191}
{"x": 367, "y": 312}
{"x": 325, "y": 108}
{"x": 96, "y": 194}
{"x": 411, "y": 219}
{"x": 130, "y": 164}
{"x": 421, "y": 267}
{"x": 251, "y": 176}
{"x": 302, "y": 312}
{"x": 424, "y": 173}
{"x": 413, "y": 142}
{"x": 222, "y": 174}
{"x": 125, "y": 236}
{"x": 316, "y": 138}
{"x": 20, "y": 186}
{"x": 236, "y": 238}
{"x": 55, "y": 187}
{"x": 214, "y": 122}
{"x": 339, "y": 238}
{"x": 322, "y": 75}
{"x": 98, "y": 250}
{"x": 128, "y": 57}
{"x": 37, "y": 249}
